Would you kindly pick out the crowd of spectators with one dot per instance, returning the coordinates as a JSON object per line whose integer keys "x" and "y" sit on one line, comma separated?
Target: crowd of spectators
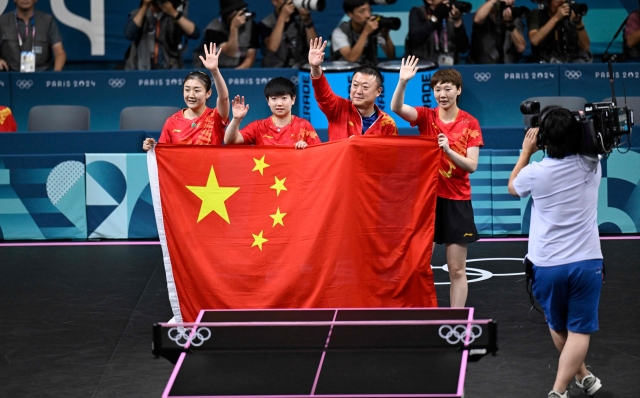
{"x": 159, "y": 31}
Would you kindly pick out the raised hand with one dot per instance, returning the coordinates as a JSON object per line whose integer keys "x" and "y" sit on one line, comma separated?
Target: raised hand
{"x": 530, "y": 142}
{"x": 238, "y": 20}
{"x": 239, "y": 108}
{"x": 408, "y": 70}
{"x": 316, "y": 51}
{"x": 212, "y": 54}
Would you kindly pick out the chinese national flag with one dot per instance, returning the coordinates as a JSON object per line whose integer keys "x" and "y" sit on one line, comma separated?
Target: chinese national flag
{"x": 346, "y": 224}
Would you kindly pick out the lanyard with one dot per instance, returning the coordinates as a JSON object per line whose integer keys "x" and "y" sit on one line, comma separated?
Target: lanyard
{"x": 33, "y": 31}
{"x": 445, "y": 37}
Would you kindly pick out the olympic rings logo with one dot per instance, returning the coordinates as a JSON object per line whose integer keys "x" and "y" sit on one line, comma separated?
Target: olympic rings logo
{"x": 117, "y": 83}
{"x": 573, "y": 74}
{"x": 458, "y": 334}
{"x": 183, "y": 336}
{"x": 482, "y": 76}
{"x": 24, "y": 84}
{"x": 482, "y": 274}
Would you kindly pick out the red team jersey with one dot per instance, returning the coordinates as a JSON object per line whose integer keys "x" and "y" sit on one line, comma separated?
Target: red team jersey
{"x": 463, "y": 133}
{"x": 343, "y": 117}
{"x": 264, "y": 132}
{"x": 206, "y": 129}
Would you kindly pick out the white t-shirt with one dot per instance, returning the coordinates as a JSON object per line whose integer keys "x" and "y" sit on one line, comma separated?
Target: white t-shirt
{"x": 564, "y": 227}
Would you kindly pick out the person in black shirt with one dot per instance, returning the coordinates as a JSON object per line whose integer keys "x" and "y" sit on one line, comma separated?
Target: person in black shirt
{"x": 497, "y": 37}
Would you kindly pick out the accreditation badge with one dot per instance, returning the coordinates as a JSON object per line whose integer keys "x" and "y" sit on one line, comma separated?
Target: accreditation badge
{"x": 27, "y": 61}
{"x": 445, "y": 59}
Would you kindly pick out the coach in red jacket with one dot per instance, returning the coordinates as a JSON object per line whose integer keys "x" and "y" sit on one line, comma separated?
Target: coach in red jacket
{"x": 357, "y": 116}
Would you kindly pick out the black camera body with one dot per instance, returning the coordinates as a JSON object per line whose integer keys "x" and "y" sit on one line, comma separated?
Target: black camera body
{"x": 578, "y": 8}
{"x": 603, "y": 125}
{"x": 389, "y": 23}
{"x": 176, "y": 3}
{"x": 462, "y": 6}
{"x": 516, "y": 12}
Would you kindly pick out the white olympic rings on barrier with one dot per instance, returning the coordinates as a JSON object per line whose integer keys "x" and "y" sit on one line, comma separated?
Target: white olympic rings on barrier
{"x": 184, "y": 335}
{"x": 458, "y": 334}
{"x": 117, "y": 83}
{"x": 482, "y": 274}
{"x": 482, "y": 76}
{"x": 573, "y": 74}
{"x": 24, "y": 84}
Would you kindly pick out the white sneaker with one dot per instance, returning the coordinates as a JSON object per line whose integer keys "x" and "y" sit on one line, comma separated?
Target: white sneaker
{"x": 590, "y": 384}
{"x": 555, "y": 394}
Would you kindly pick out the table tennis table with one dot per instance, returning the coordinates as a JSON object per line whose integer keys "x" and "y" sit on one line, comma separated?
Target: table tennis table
{"x": 412, "y": 352}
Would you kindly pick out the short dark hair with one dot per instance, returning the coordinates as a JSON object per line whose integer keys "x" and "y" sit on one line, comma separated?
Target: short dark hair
{"x": 198, "y": 75}
{"x": 371, "y": 71}
{"x": 447, "y": 76}
{"x": 560, "y": 132}
{"x": 350, "y": 5}
{"x": 279, "y": 86}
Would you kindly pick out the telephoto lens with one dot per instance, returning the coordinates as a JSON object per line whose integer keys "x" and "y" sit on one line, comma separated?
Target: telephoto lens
{"x": 314, "y": 5}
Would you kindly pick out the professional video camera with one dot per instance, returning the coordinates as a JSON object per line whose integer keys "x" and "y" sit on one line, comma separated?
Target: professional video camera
{"x": 603, "y": 123}
{"x": 314, "y": 5}
{"x": 516, "y": 12}
{"x": 390, "y": 23}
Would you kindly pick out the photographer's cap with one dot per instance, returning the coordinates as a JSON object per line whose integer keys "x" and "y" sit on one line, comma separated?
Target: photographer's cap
{"x": 226, "y": 6}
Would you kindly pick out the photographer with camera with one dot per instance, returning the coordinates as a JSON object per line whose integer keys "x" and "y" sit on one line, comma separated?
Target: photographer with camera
{"x": 557, "y": 33}
{"x": 564, "y": 246}
{"x": 235, "y": 32}
{"x": 157, "y": 30}
{"x": 436, "y": 31}
{"x": 498, "y": 33}
{"x": 286, "y": 35}
{"x": 356, "y": 40}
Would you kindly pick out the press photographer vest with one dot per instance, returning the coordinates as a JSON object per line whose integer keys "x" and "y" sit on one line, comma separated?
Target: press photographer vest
{"x": 10, "y": 48}
{"x": 292, "y": 51}
{"x": 244, "y": 41}
{"x": 560, "y": 45}
{"x": 369, "y": 54}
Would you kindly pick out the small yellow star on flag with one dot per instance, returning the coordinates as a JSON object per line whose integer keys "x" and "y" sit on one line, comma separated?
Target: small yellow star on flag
{"x": 213, "y": 197}
{"x": 258, "y": 240}
{"x": 260, "y": 165}
{"x": 277, "y": 218}
{"x": 279, "y": 186}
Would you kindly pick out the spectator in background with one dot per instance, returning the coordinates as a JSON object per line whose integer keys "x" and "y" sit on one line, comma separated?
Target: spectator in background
{"x": 235, "y": 32}
{"x": 30, "y": 40}
{"x": 286, "y": 35}
{"x": 157, "y": 30}
{"x": 7, "y": 122}
{"x": 497, "y": 36}
{"x": 436, "y": 33}
{"x": 557, "y": 34}
{"x": 632, "y": 37}
{"x": 356, "y": 40}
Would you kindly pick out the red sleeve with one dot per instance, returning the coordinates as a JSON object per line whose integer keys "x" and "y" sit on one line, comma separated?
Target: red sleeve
{"x": 165, "y": 135}
{"x": 329, "y": 103}
{"x": 425, "y": 120}
{"x": 475, "y": 138}
{"x": 633, "y": 24}
{"x": 308, "y": 133}
{"x": 219, "y": 126}
{"x": 388, "y": 125}
{"x": 250, "y": 132}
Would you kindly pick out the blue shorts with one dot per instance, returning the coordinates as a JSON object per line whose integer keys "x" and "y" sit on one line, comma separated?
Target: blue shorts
{"x": 569, "y": 295}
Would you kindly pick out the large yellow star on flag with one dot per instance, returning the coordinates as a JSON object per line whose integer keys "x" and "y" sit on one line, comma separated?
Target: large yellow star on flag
{"x": 260, "y": 165}
{"x": 258, "y": 240}
{"x": 277, "y": 218}
{"x": 213, "y": 197}
{"x": 279, "y": 186}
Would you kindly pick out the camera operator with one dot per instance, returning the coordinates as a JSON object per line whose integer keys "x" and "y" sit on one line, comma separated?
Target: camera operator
{"x": 356, "y": 40}
{"x": 564, "y": 245}
{"x": 156, "y": 31}
{"x": 558, "y": 35}
{"x": 235, "y": 32}
{"x": 632, "y": 37}
{"x": 497, "y": 36}
{"x": 436, "y": 33}
{"x": 286, "y": 35}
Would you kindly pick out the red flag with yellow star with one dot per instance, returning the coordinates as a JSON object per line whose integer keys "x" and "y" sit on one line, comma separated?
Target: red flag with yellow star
{"x": 346, "y": 224}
